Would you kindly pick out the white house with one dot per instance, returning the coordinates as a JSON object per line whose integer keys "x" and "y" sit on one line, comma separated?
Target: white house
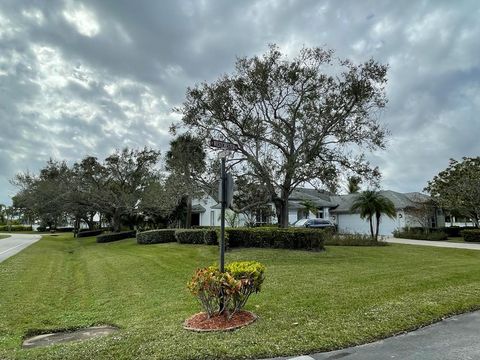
{"x": 336, "y": 208}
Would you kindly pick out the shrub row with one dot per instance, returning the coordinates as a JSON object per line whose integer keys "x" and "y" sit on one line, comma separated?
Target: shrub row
{"x": 182, "y": 236}
{"x": 417, "y": 235}
{"x": 156, "y": 236}
{"x": 353, "y": 240}
{"x": 300, "y": 239}
{"x": 116, "y": 236}
{"x": 15, "y": 228}
{"x": 471, "y": 235}
{"x": 196, "y": 236}
{"x": 89, "y": 233}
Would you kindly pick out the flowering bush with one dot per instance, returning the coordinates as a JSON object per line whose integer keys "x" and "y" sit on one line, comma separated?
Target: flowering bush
{"x": 228, "y": 292}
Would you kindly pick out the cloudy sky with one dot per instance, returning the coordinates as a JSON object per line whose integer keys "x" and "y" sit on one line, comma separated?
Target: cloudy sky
{"x": 86, "y": 77}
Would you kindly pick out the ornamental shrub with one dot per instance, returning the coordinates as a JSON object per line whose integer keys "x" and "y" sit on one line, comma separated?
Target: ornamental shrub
{"x": 228, "y": 292}
{"x": 420, "y": 235}
{"x": 269, "y": 237}
{"x": 196, "y": 236}
{"x": 353, "y": 240}
{"x": 471, "y": 235}
{"x": 116, "y": 236}
{"x": 158, "y": 236}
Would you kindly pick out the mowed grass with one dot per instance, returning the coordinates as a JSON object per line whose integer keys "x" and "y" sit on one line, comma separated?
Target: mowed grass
{"x": 2, "y": 236}
{"x": 309, "y": 302}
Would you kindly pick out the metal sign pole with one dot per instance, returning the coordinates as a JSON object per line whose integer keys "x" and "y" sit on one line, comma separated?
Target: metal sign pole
{"x": 222, "y": 216}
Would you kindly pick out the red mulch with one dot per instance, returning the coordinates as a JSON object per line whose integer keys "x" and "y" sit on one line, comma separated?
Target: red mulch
{"x": 200, "y": 322}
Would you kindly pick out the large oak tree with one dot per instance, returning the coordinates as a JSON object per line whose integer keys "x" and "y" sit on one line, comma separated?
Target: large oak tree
{"x": 295, "y": 121}
{"x": 457, "y": 188}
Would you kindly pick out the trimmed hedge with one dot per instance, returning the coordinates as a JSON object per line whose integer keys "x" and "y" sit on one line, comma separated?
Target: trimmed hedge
{"x": 471, "y": 235}
{"x": 116, "y": 236}
{"x": 156, "y": 236}
{"x": 196, "y": 236}
{"x": 353, "y": 240}
{"x": 65, "y": 229}
{"x": 15, "y": 228}
{"x": 299, "y": 239}
{"x": 414, "y": 235}
{"x": 89, "y": 233}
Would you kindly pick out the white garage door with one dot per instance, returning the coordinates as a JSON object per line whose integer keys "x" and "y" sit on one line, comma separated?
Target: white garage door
{"x": 352, "y": 223}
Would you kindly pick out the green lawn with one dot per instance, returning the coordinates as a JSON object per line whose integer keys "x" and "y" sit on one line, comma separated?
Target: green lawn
{"x": 4, "y": 236}
{"x": 309, "y": 302}
{"x": 456, "y": 239}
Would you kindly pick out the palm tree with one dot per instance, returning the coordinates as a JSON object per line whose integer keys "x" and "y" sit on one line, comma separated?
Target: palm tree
{"x": 371, "y": 203}
{"x": 353, "y": 184}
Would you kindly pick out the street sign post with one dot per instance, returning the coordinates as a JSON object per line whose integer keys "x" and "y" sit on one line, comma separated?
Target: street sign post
{"x": 225, "y": 192}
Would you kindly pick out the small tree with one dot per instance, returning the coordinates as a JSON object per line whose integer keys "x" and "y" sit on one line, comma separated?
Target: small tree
{"x": 294, "y": 121}
{"x": 422, "y": 211}
{"x": 457, "y": 188}
{"x": 353, "y": 184}
{"x": 371, "y": 203}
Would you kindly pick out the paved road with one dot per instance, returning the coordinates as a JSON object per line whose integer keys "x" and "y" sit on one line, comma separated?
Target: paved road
{"x": 468, "y": 246}
{"x": 15, "y": 243}
{"x": 455, "y": 338}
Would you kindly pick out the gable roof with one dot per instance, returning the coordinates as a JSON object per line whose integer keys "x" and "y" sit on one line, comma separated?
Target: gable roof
{"x": 400, "y": 200}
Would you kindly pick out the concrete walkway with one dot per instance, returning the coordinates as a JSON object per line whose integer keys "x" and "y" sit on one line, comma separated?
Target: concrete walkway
{"x": 445, "y": 244}
{"x": 15, "y": 243}
{"x": 455, "y": 338}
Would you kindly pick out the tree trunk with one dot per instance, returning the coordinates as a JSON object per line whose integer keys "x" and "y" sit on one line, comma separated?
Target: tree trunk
{"x": 377, "y": 226}
{"x": 371, "y": 227}
{"x": 116, "y": 221}
{"x": 188, "y": 220}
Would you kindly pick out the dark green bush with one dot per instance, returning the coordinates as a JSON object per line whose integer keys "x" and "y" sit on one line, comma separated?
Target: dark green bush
{"x": 353, "y": 240}
{"x": 42, "y": 228}
{"x": 471, "y": 235}
{"x": 88, "y": 233}
{"x": 65, "y": 229}
{"x": 15, "y": 228}
{"x": 156, "y": 236}
{"x": 420, "y": 235}
{"x": 455, "y": 231}
{"x": 116, "y": 236}
{"x": 299, "y": 238}
{"x": 196, "y": 236}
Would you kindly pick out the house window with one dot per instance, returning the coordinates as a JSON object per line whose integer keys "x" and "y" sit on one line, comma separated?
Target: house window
{"x": 320, "y": 214}
{"x": 212, "y": 218}
{"x": 263, "y": 216}
{"x": 302, "y": 214}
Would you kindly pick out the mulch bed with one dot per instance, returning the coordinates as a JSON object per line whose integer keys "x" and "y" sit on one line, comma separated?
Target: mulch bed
{"x": 200, "y": 322}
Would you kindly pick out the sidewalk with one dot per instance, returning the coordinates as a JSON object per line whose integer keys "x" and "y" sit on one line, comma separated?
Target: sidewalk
{"x": 444, "y": 244}
{"x": 455, "y": 338}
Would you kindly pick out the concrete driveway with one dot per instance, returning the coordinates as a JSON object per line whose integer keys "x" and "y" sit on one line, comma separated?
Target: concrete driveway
{"x": 15, "y": 243}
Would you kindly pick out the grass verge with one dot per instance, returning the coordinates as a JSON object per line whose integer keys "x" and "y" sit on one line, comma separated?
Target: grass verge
{"x": 310, "y": 301}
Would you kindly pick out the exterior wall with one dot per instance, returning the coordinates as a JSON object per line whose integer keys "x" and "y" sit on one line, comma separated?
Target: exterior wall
{"x": 352, "y": 223}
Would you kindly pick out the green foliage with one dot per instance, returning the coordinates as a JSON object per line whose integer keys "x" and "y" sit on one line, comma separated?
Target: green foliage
{"x": 156, "y": 236}
{"x": 116, "y": 236}
{"x": 89, "y": 233}
{"x": 15, "y": 228}
{"x": 265, "y": 237}
{"x": 227, "y": 292}
{"x": 196, "y": 236}
{"x": 457, "y": 188}
{"x": 471, "y": 235}
{"x": 286, "y": 113}
{"x": 371, "y": 203}
{"x": 353, "y": 240}
{"x": 420, "y": 235}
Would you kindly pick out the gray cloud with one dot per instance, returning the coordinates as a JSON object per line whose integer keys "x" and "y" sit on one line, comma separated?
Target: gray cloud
{"x": 84, "y": 77}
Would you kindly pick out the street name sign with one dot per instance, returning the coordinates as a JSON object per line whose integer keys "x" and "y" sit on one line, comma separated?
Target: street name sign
{"x": 223, "y": 145}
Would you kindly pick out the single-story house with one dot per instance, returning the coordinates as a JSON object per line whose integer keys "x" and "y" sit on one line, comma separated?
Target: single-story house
{"x": 336, "y": 208}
